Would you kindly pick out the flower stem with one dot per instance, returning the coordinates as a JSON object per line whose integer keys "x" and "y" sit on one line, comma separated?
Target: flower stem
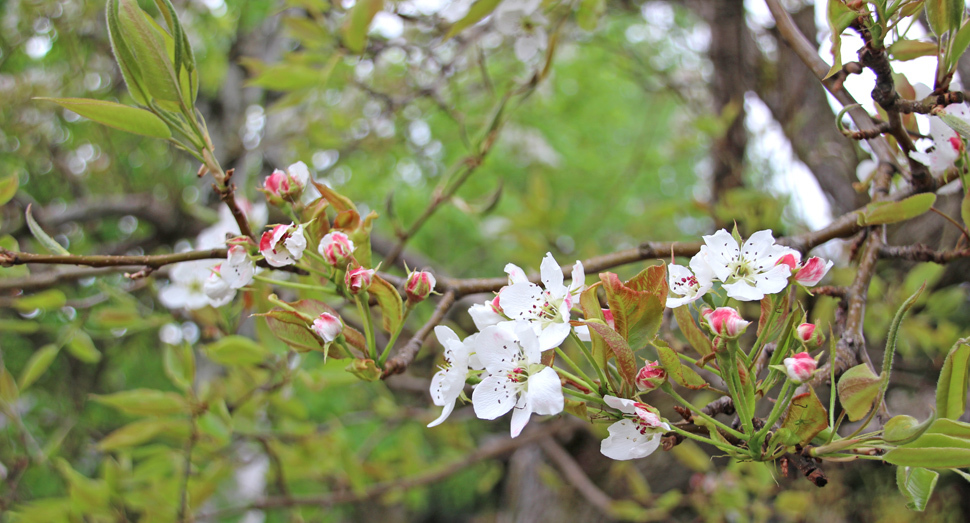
{"x": 272, "y": 298}
{"x": 365, "y": 316}
{"x": 693, "y": 361}
{"x": 592, "y": 361}
{"x": 390, "y": 343}
{"x": 296, "y": 285}
{"x": 726, "y": 448}
{"x": 587, "y": 397}
{"x": 699, "y": 412}
{"x": 584, "y": 377}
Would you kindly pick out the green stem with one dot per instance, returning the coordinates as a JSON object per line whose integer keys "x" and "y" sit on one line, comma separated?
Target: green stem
{"x": 272, "y": 298}
{"x": 759, "y": 341}
{"x": 693, "y": 361}
{"x": 390, "y": 343}
{"x": 296, "y": 285}
{"x": 580, "y": 395}
{"x": 726, "y": 448}
{"x": 699, "y": 412}
{"x": 365, "y": 316}
{"x": 604, "y": 382}
{"x": 727, "y": 361}
{"x": 584, "y": 377}
{"x": 784, "y": 398}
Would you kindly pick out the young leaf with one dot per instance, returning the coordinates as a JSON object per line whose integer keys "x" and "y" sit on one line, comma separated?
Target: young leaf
{"x": 42, "y": 237}
{"x": 951, "y": 389}
{"x": 903, "y": 429}
{"x": 355, "y": 29}
{"x": 37, "y": 365}
{"x": 937, "y": 15}
{"x": 858, "y": 388}
{"x": 682, "y": 374}
{"x": 236, "y": 350}
{"x": 144, "y": 402}
{"x": 50, "y": 299}
{"x": 590, "y": 304}
{"x": 916, "y": 484}
{"x": 124, "y": 56}
{"x": 123, "y": 117}
{"x": 141, "y": 431}
{"x": 179, "y": 365}
{"x": 81, "y": 347}
{"x": 960, "y": 42}
{"x": 8, "y": 188}
{"x": 392, "y": 307}
{"x": 695, "y": 336}
{"x": 625, "y": 361}
{"x": 892, "y": 212}
{"x": 637, "y": 304}
{"x": 806, "y": 417}
{"x": 480, "y": 9}
{"x": 840, "y": 18}
{"x": 148, "y": 48}
{"x": 904, "y": 50}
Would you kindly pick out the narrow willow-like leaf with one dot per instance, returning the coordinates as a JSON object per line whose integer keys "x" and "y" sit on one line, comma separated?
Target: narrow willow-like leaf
{"x": 355, "y": 29}
{"x": 52, "y": 246}
{"x": 123, "y": 117}
{"x": 8, "y": 188}
{"x": 480, "y": 9}
{"x": 892, "y": 212}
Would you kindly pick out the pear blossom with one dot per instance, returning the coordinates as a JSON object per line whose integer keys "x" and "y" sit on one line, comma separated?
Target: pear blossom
{"x": 725, "y": 322}
{"x": 547, "y": 309}
{"x": 336, "y": 248}
{"x": 419, "y": 286}
{"x": 690, "y": 284}
{"x": 448, "y": 383}
{"x": 327, "y": 326}
{"x": 217, "y": 289}
{"x": 187, "y": 285}
{"x": 358, "y": 280}
{"x": 650, "y": 376}
{"x": 523, "y": 21}
{"x": 514, "y": 377}
{"x": 800, "y": 367}
{"x": 283, "y": 245}
{"x": 947, "y": 144}
{"x": 288, "y": 185}
{"x": 214, "y": 236}
{"x": 748, "y": 271}
{"x": 637, "y": 435}
{"x": 487, "y": 314}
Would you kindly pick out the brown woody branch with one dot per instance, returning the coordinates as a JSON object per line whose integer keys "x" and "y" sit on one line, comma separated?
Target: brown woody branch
{"x": 227, "y": 193}
{"x": 922, "y": 253}
{"x": 406, "y": 355}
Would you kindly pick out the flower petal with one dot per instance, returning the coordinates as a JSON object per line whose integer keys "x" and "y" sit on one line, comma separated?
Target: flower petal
{"x": 493, "y": 397}
{"x": 545, "y": 392}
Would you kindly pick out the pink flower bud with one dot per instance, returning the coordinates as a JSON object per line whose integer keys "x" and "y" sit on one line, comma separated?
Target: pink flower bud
{"x": 496, "y": 306}
{"x": 288, "y": 185}
{"x": 809, "y": 335}
{"x": 651, "y": 376}
{"x": 337, "y": 249}
{"x": 419, "y": 286}
{"x": 812, "y": 271}
{"x": 328, "y": 327}
{"x": 358, "y": 280}
{"x": 791, "y": 260}
{"x": 800, "y": 367}
{"x": 725, "y": 322}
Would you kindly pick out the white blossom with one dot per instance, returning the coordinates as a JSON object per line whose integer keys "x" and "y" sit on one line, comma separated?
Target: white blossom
{"x": 548, "y": 310}
{"x": 448, "y": 383}
{"x": 514, "y": 378}
{"x": 690, "y": 284}
{"x": 186, "y": 288}
{"x": 637, "y": 435}
{"x": 749, "y": 271}
{"x": 523, "y": 21}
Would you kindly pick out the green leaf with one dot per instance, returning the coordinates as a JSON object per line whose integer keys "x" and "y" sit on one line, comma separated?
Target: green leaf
{"x": 949, "y": 427}
{"x": 9, "y": 392}
{"x": 236, "y": 350}
{"x": 148, "y": 47}
{"x": 480, "y": 9}
{"x": 123, "y": 117}
{"x": 929, "y": 457}
{"x": 355, "y": 29}
{"x": 87, "y": 495}
{"x": 892, "y": 212}
{"x": 124, "y": 55}
{"x": 840, "y": 18}
{"x": 179, "y": 365}
{"x": 695, "y": 336}
{"x": 392, "y": 307}
{"x": 590, "y": 304}
{"x": 682, "y": 374}
{"x": 937, "y": 16}
{"x": 806, "y": 417}
{"x": 951, "y": 389}
{"x": 144, "y": 402}
{"x": 960, "y": 42}
{"x": 589, "y": 14}
{"x": 52, "y": 246}
{"x": 904, "y": 50}
{"x": 288, "y": 77}
{"x": 364, "y": 369}
{"x": 48, "y": 300}
{"x": 954, "y": 122}
{"x": 965, "y": 210}
{"x": 8, "y": 188}
{"x": 81, "y": 347}
{"x": 37, "y": 365}
{"x": 625, "y": 361}
{"x": 139, "y": 432}
{"x": 637, "y": 305}
{"x": 903, "y": 429}
{"x": 916, "y": 484}
{"x": 858, "y": 388}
